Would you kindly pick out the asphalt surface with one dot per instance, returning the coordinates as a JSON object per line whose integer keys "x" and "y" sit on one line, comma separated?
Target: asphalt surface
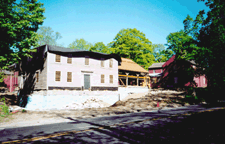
{"x": 170, "y": 125}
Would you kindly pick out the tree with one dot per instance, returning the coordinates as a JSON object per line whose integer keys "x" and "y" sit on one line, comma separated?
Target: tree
{"x": 161, "y": 54}
{"x": 47, "y": 36}
{"x": 131, "y": 43}
{"x": 205, "y": 44}
{"x": 80, "y": 44}
{"x": 18, "y": 23}
{"x": 100, "y": 47}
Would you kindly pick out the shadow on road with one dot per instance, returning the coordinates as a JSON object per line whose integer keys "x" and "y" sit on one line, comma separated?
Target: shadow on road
{"x": 207, "y": 127}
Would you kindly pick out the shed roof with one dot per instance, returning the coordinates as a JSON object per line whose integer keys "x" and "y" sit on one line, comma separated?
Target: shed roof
{"x": 129, "y": 65}
{"x": 156, "y": 65}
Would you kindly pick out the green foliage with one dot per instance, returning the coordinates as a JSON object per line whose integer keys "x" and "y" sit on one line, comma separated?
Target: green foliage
{"x": 100, "y": 47}
{"x": 131, "y": 43}
{"x": 23, "y": 111}
{"x": 2, "y": 76}
{"x": 161, "y": 54}
{"x": 19, "y": 20}
{"x": 203, "y": 40}
{"x": 47, "y": 36}
{"x": 80, "y": 44}
{"x": 4, "y": 109}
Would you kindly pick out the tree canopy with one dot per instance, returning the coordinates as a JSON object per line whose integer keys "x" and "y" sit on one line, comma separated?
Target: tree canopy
{"x": 80, "y": 44}
{"x": 18, "y": 23}
{"x": 131, "y": 43}
{"x": 47, "y": 36}
{"x": 203, "y": 40}
{"x": 161, "y": 54}
{"x": 100, "y": 47}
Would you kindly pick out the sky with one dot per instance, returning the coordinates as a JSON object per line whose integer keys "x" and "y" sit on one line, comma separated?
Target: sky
{"x": 101, "y": 20}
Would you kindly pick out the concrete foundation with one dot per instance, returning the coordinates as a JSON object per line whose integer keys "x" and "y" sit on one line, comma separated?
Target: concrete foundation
{"x": 56, "y": 99}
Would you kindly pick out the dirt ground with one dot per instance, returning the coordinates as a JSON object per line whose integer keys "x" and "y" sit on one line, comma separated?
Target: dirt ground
{"x": 133, "y": 103}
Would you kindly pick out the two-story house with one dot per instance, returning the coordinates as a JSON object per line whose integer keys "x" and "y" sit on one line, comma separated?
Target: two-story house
{"x": 56, "y": 76}
{"x": 54, "y": 67}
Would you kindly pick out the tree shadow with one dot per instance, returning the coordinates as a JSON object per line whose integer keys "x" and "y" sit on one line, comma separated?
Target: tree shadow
{"x": 198, "y": 128}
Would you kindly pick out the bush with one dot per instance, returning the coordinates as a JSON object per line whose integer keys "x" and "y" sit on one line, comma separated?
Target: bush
{"x": 4, "y": 109}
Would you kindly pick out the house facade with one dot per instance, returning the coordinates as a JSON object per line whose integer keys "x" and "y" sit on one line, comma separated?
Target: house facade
{"x": 57, "y": 76}
{"x": 57, "y": 68}
{"x": 155, "y": 71}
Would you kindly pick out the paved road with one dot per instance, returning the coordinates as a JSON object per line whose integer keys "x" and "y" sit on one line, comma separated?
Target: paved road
{"x": 142, "y": 127}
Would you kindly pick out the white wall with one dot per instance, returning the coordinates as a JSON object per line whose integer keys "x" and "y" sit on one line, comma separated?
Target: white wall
{"x": 78, "y": 65}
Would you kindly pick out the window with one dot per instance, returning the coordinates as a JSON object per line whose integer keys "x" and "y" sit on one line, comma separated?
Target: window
{"x": 69, "y": 60}
{"x": 57, "y": 58}
{"x": 111, "y": 78}
{"x": 175, "y": 80}
{"x": 203, "y": 80}
{"x": 102, "y": 78}
{"x": 102, "y": 63}
{"x": 37, "y": 76}
{"x": 111, "y": 63}
{"x": 69, "y": 76}
{"x": 153, "y": 71}
{"x": 86, "y": 61}
{"x": 57, "y": 75}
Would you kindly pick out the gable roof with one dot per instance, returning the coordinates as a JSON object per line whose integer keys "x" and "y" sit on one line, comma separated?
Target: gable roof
{"x": 172, "y": 59}
{"x": 129, "y": 65}
{"x": 62, "y": 50}
{"x": 156, "y": 65}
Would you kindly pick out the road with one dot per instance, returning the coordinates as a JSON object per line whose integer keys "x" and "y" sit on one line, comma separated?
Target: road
{"x": 171, "y": 125}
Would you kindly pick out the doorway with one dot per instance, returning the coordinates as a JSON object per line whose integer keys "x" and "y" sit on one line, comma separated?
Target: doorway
{"x": 86, "y": 81}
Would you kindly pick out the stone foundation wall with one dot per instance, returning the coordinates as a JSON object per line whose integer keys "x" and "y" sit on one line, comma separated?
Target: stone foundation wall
{"x": 56, "y": 99}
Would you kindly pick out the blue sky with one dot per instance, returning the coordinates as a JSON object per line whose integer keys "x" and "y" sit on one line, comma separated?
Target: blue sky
{"x": 101, "y": 20}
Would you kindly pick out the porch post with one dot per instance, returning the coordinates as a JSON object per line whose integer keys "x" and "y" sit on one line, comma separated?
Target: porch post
{"x": 127, "y": 79}
{"x": 10, "y": 89}
{"x": 137, "y": 79}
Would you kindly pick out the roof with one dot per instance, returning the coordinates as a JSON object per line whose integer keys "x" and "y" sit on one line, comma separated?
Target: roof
{"x": 129, "y": 65}
{"x": 7, "y": 72}
{"x": 172, "y": 59}
{"x": 156, "y": 65}
{"x": 58, "y": 49}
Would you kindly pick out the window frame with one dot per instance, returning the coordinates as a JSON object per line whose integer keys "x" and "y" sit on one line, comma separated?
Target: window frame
{"x": 69, "y": 78}
{"x": 57, "y": 58}
{"x": 111, "y": 63}
{"x": 102, "y": 62}
{"x": 86, "y": 60}
{"x": 59, "y": 72}
{"x": 102, "y": 78}
{"x": 111, "y": 79}
{"x": 37, "y": 76}
{"x": 69, "y": 59}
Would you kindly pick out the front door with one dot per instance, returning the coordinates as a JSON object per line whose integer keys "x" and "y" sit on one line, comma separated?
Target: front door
{"x": 86, "y": 81}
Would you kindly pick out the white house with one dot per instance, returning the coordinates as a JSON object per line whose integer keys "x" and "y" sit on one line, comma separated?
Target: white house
{"x": 54, "y": 70}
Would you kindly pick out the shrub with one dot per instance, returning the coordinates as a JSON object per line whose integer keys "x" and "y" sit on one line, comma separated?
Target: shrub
{"x": 4, "y": 109}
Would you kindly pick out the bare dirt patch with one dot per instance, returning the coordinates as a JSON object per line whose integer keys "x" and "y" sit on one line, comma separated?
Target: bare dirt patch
{"x": 151, "y": 101}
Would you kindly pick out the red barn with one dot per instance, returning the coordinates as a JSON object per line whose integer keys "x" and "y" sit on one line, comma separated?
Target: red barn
{"x": 179, "y": 73}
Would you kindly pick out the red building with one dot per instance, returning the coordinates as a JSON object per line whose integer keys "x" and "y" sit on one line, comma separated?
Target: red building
{"x": 177, "y": 73}
{"x": 11, "y": 80}
{"x": 155, "y": 71}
